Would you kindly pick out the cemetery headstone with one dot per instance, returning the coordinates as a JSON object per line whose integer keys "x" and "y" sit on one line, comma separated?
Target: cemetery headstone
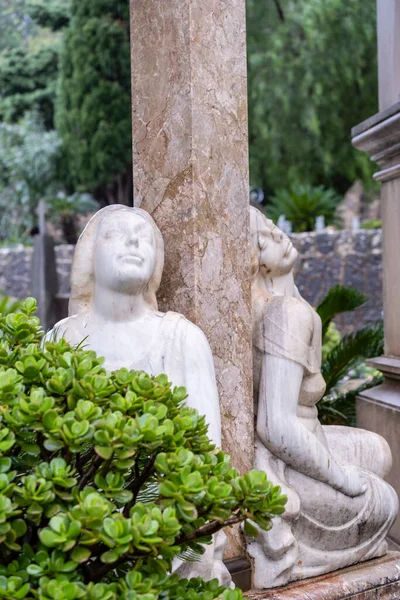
{"x": 44, "y": 273}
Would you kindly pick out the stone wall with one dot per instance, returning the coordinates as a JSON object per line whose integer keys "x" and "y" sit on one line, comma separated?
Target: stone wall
{"x": 15, "y": 270}
{"x": 352, "y": 258}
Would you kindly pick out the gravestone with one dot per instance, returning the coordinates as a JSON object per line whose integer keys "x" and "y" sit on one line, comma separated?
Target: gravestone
{"x": 44, "y": 273}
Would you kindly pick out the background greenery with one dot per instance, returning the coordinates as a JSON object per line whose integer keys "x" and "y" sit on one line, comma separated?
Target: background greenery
{"x": 311, "y": 77}
{"x": 93, "y": 108}
{"x": 65, "y": 94}
{"x": 343, "y": 358}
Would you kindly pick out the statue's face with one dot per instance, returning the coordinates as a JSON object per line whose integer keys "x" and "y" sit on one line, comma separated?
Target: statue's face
{"x": 276, "y": 251}
{"x": 125, "y": 252}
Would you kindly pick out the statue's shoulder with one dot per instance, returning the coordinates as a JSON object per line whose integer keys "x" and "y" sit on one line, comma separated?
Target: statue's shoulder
{"x": 290, "y": 308}
{"x": 182, "y": 326}
{"x": 69, "y": 328}
{"x": 289, "y": 314}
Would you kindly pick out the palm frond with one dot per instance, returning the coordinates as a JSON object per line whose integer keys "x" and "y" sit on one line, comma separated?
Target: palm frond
{"x": 329, "y": 412}
{"x": 365, "y": 343}
{"x": 192, "y": 554}
{"x": 148, "y": 493}
{"x": 338, "y": 300}
{"x": 340, "y": 409}
{"x": 301, "y": 204}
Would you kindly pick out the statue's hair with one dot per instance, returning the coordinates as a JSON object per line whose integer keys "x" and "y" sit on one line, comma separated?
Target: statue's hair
{"x": 258, "y": 220}
{"x": 82, "y": 271}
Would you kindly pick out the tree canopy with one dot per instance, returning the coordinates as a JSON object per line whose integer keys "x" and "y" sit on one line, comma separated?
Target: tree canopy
{"x": 312, "y": 76}
{"x": 93, "y": 112}
{"x": 15, "y": 23}
{"x": 29, "y": 49}
{"x": 28, "y": 82}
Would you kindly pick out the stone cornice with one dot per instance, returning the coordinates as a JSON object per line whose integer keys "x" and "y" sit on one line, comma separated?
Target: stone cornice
{"x": 381, "y": 141}
{"x": 375, "y": 119}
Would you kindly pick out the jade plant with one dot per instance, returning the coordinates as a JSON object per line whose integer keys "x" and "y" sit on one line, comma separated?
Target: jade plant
{"x": 106, "y": 477}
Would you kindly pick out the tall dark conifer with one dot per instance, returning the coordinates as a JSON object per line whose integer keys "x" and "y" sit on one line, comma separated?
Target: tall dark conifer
{"x": 93, "y": 112}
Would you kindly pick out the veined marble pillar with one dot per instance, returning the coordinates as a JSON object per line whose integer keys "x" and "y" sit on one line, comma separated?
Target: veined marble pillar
{"x": 190, "y": 167}
{"x": 378, "y": 409}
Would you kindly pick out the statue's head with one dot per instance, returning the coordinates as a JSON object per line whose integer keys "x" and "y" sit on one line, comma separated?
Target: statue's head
{"x": 272, "y": 252}
{"x": 120, "y": 249}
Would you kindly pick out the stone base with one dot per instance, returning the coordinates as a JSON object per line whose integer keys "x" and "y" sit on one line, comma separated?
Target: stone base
{"x": 377, "y": 579}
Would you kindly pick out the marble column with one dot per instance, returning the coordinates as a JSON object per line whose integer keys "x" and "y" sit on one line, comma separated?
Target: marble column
{"x": 378, "y": 409}
{"x": 190, "y": 168}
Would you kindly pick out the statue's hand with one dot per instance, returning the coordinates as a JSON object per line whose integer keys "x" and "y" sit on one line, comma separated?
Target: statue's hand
{"x": 353, "y": 482}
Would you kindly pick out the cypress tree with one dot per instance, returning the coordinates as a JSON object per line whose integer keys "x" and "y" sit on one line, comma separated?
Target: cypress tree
{"x": 93, "y": 108}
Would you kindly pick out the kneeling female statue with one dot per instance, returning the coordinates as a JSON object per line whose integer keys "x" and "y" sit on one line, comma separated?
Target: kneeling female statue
{"x": 115, "y": 275}
{"x": 339, "y": 508}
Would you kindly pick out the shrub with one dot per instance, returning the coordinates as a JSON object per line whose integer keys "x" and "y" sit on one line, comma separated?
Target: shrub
{"x": 8, "y": 304}
{"x": 344, "y": 356}
{"x": 104, "y": 478}
{"x": 29, "y": 157}
{"x": 64, "y": 211}
{"x": 93, "y": 107}
{"x": 331, "y": 339}
{"x": 371, "y": 224}
{"x": 302, "y": 204}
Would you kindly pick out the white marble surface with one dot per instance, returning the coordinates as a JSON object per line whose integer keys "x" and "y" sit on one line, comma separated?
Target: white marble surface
{"x": 115, "y": 275}
{"x": 339, "y": 507}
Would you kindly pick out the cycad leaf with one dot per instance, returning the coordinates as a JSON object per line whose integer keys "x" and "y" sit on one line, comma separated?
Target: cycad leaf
{"x": 301, "y": 204}
{"x": 341, "y": 409}
{"x": 148, "y": 493}
{"x": 365, "y": 343}
{"x": 192, "y": 554}
{"x": 338, "y": 300}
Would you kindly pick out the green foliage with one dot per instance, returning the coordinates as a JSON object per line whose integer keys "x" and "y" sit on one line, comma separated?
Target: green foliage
{"x": 80, "y": 450}
{"x": 14, "y": 23}
{"x": 8, "y": 305}
{"x": 64, "y": 211}
{"x": 371, "y": 224}
{"x": 28, "y": 82}
{"x": 93, "y": 112}
{"x": 53, "y": 14}
{"x": 74, "y": 204}
{"x": 302, "y": 204}
{"x": 341, "y": 356}
{"x": 29, "y": 157}
{"x": 330, "y": 339}
{"x": 311, "y": 78}
{"x": 338, "y": 300}
{"x": 353, "y": 348}
{"x": 29, "y": 51}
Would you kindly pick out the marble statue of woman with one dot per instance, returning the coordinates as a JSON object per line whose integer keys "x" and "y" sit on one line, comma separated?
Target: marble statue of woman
{"x": 116, "y": 272}
{"x": 339, "y": 507}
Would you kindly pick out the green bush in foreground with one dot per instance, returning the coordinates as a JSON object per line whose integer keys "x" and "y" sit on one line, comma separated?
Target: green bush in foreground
{"x": 104, "y": 478}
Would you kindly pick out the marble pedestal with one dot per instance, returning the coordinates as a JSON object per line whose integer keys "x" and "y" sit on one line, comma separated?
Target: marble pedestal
{"x": 190, "y": 171}
{"x": 377, "y": 579}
